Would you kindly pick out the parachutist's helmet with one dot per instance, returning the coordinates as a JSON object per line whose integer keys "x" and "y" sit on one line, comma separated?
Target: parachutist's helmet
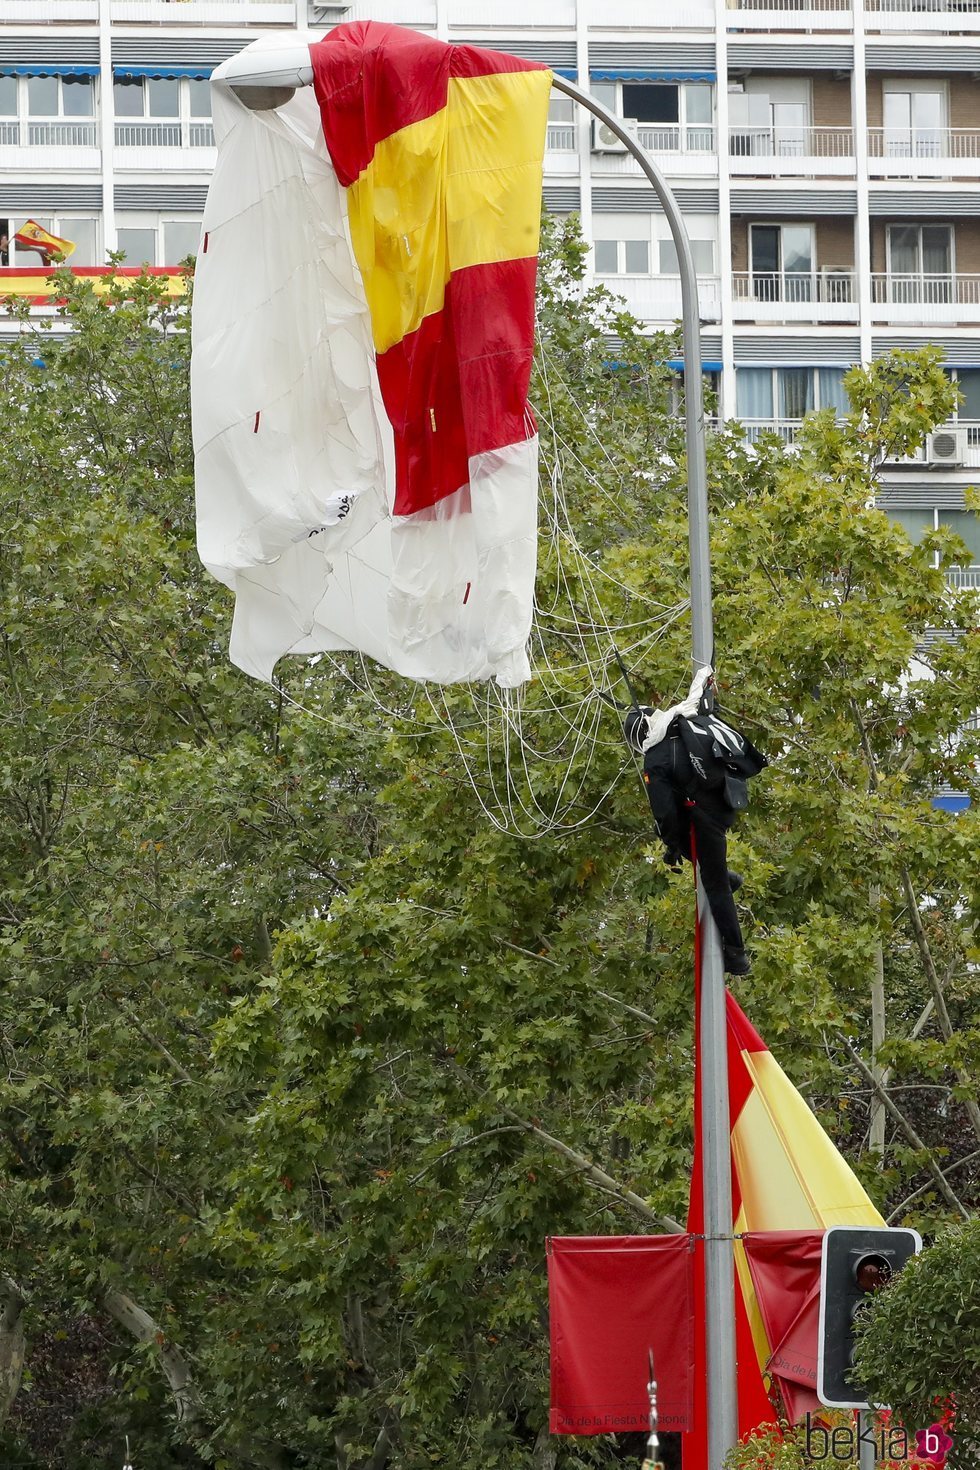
{"x": 635, "y": 726}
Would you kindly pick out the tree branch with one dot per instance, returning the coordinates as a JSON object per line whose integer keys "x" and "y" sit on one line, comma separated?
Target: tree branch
{"x": 141, "y": 1325}
{"x": 932, "y": 975}
{"x": 597, "y": 1176}
{"x": 149, "y": 1037}
{"x": 908, "y": 1130}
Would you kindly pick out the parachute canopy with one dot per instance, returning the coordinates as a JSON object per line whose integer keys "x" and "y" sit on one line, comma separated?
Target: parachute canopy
{"x": 366, "y": 460}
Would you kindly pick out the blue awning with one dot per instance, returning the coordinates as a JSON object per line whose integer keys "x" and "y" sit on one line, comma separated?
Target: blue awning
{"x": 164, "y": 71}
{"x": 955, "y": 803}
{"x": 633, "y": 74}
{"x": 708, "y": 365}
{"x": 48, "y": 69}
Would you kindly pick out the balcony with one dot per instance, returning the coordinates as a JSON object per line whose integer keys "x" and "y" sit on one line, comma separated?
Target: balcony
{"x": 206, "y": 12}
{"x": 924, "y": 153}
{"x": 470, "y": 14}
{"x": 676, "y": 149}
{"x": 785, "y": 429}
{"x": 49, "y": 143}
{"x": 165, "y": 145}
{"x": 923, "y": 15}
{"x": 794, "y": 296}
{"x": 787, "y": 15}
{"x": 791, "y": 152}
{"x": 561, "y": 149}
{"x": 961, "y": 434}
{"x": 925, "y": 300}
{"x": 27, "y": 12}
{"x": 658, "y": 298}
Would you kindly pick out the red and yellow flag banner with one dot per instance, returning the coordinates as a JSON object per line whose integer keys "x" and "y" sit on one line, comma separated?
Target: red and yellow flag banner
{"x": 32, "y": 236}
{"x": 39, "y": 284}
{"x": 787, "y": 1177}
{"x": 440, "y": 151}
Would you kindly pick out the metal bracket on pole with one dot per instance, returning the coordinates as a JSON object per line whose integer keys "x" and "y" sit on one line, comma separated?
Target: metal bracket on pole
{"x": 715, "y": 1120}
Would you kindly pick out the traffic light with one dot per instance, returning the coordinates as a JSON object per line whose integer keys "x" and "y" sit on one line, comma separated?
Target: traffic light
{"x": 856, "y": 1263}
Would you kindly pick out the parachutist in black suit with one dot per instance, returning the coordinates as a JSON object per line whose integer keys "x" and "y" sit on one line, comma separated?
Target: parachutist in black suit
{"x": 694, "y": 768}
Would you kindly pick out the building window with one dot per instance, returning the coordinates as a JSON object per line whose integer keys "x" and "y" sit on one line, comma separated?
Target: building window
{"x": 780, "y": 397}
{"x": 622, "y": 257}
{"x": 162, "y": 112}
{"x": 54, "y": 111}
{"x": 914, "y": 114}
{"x": 770, "y": 118}
{"x": 138, "y": 246}
{"x": 151, "y": 240}
{"x": 920, "y": 264}
{"x": 60, "y": 97}
{"x": 781, "y": 262}
{"x": 561, "y": 124}
{"x": 82, "y": 231}
{"x": 968, "y": 382}
{"x": 920, "y": 521}
{"x": 669, "y": 116}
{"x": 181, "y": 237}
{"x": 702, "y": 250}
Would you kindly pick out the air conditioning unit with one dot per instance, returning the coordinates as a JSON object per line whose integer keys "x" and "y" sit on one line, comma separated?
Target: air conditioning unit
{"x": 604, "y": 140}
{"x": 946, "y": 447}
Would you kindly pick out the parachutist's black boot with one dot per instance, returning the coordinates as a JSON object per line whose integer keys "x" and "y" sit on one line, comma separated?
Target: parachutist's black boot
{"x": 735, "y": 961}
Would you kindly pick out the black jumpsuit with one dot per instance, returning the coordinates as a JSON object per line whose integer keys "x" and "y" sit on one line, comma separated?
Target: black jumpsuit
{"x": 680, "y": 801}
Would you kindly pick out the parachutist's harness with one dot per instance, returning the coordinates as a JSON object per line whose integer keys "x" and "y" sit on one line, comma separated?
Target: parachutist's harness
{"x": 696, "y": 775}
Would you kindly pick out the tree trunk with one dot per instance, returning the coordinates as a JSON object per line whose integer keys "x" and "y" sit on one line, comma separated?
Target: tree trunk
{"x": 12, "y": 1343}
{"x": 877, "y": 1031}
{"x": 175, "y": 1370}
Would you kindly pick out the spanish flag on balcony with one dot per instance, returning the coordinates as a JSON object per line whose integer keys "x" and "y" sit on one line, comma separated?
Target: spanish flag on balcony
{"x": 32, "y": 236}
{"x": 363, "y": 332}
{"x": 787, "y": 1176}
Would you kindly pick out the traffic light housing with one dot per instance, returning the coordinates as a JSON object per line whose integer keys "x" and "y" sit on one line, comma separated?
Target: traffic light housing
{"x": 856, "y": 1263}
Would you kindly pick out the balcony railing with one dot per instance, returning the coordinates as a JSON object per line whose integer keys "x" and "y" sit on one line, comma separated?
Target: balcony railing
{"x": 676, "y": 137}
{"x": 48, "y": 133}
{"x": 929, "y": 146}
{"x": 164, "y": 135}
{"x": 790, "y": 5}
{"x": 57, "y": 134}
{"x": 786, "y": 429}
{"x": 789, "y": 15}
{"x": 962, "y": 577}
{"x": 748, "y": 141}
{"x": 924, "y": 7}
{"x": 794, "y": 286}
{"x": 928, "y": 291}
{"x": 921, "y": 290}
{"x": 561, "y": 138}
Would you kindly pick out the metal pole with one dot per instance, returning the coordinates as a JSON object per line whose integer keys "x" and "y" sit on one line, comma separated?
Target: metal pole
{"x": 866, "y": 1447}
{"x": 715, "y": 1121}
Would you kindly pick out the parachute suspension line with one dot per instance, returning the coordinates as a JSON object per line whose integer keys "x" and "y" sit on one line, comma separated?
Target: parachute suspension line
{"x": 530, "y": 754}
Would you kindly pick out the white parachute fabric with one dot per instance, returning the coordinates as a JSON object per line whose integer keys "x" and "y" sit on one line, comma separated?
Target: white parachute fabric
{"x": 294, "y": 455}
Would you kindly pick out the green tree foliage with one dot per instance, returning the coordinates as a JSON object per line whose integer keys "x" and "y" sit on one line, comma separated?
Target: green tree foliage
{"x": 920, "y": 1346}
{"x": 305, "y": 1055}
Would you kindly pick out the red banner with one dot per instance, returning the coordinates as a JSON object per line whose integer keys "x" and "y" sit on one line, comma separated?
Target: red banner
{"x": 612, "y": 1299}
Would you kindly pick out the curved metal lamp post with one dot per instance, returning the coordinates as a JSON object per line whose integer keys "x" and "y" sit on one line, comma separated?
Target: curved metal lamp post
{"x": 266, "y": 80}
{"x": 716, "y": 1174}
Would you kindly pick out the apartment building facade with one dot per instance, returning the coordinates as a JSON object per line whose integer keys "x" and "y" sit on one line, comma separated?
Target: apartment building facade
{"x": 826, "y": 156}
